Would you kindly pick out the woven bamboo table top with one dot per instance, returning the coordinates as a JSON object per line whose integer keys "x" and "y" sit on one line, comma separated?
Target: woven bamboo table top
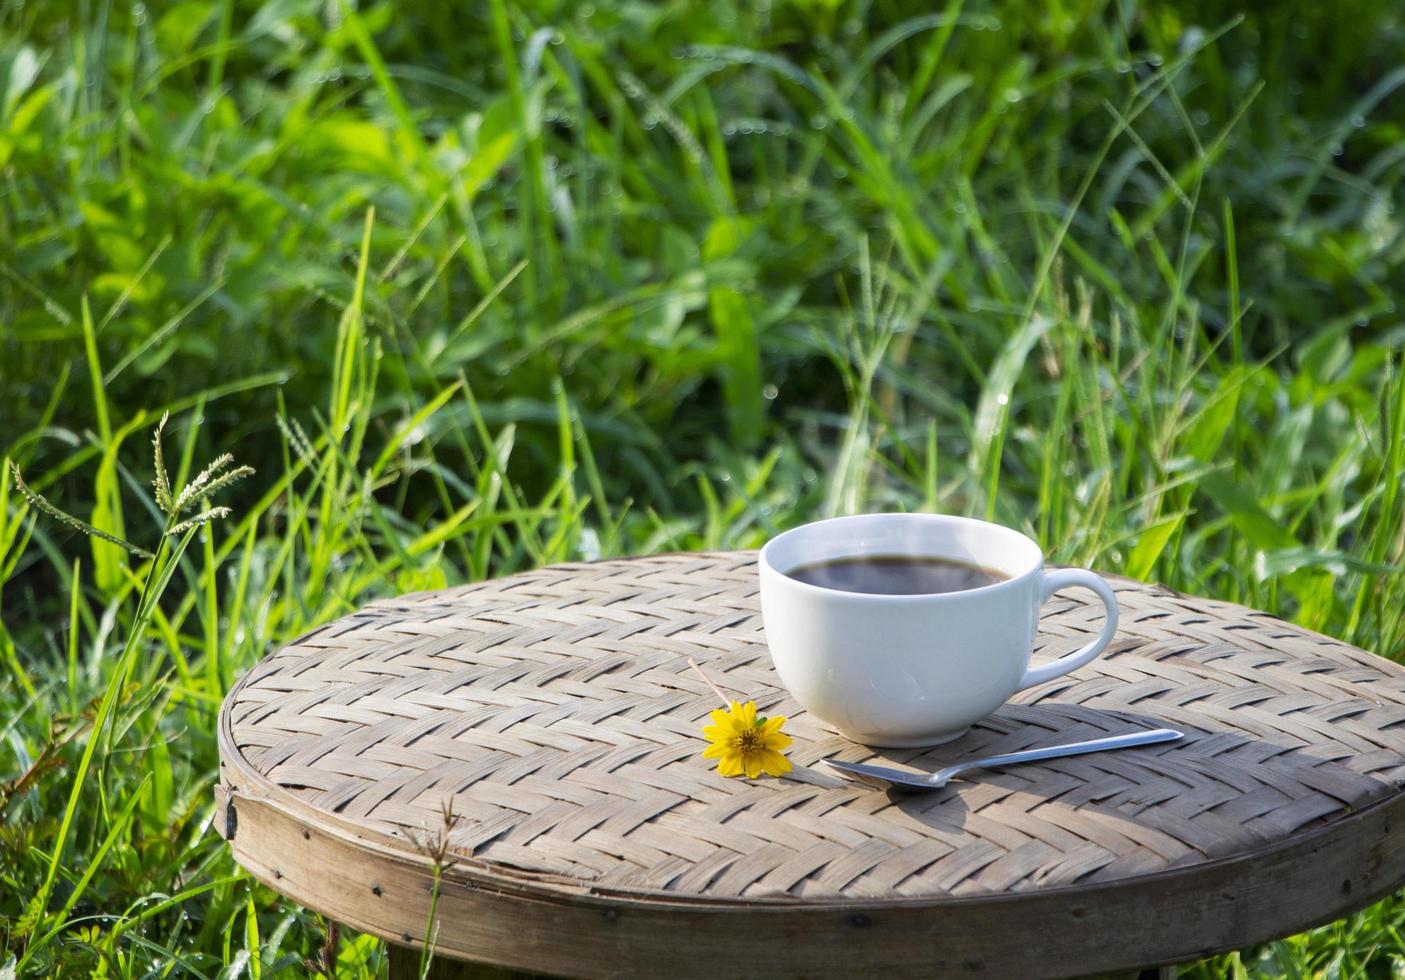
{"x": 554, "y": 715}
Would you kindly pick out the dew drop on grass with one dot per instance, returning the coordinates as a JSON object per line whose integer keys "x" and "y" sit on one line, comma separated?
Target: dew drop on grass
{"x": 1013, "y": 95}
{"x": 1122, "y": 67}
{"x": 1357, "y": 121}
{"x": 1337, "y": 149}
{"x": 1200, "y": 117}
{"x": 1362, "y": 320}
{"x": 1155, "y": 61}
{"x": 818, "y": 122}
{"x": 770, "y": 392}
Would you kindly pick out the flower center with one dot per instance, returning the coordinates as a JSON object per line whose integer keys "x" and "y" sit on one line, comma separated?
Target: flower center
{"x": 750, "y": 740}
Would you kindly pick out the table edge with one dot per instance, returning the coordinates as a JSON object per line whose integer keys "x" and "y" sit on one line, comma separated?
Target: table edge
{"x": 1184, "y": 913}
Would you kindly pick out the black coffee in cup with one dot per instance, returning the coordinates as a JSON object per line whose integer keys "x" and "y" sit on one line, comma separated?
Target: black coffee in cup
{"x": 896, "y": 575}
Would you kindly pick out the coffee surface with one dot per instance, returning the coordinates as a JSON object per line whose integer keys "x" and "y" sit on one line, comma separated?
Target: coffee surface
{"x": 896, "y": 575}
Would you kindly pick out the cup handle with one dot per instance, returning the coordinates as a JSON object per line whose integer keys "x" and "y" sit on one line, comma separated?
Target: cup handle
{"x": 1067, "y": 578}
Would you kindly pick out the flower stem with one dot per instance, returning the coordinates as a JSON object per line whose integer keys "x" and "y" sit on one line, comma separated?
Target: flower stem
{"x": 708, "y": 681}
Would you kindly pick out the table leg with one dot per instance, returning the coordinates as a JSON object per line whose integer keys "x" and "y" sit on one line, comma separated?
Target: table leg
{"x": 405, "y": 965}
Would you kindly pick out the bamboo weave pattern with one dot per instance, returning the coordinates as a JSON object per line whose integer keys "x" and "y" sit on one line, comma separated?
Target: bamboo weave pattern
{"x": 555, "y": 712}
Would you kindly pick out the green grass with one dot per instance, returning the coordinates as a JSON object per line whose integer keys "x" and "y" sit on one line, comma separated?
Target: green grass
{"x": 477, "y": 288}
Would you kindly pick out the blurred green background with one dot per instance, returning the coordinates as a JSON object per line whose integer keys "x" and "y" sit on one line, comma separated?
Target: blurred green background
{"x": 480, "y": 286}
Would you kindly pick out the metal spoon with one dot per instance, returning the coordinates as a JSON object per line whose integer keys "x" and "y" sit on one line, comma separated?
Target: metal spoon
{"x": 884, "y": 777}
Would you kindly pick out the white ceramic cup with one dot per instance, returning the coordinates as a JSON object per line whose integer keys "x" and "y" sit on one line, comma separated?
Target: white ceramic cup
{"x": 911, "y": 670}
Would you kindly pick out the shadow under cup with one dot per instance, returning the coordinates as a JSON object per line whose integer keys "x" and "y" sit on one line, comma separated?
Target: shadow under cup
{"x": 907, "y": 670}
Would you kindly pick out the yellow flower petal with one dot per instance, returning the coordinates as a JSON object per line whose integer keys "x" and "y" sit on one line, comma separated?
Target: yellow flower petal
{"x": 776, "y": 740}
{"x": 753, "y": 765}
{"x": 774, "y": 763}
{"x": 731, "y": 765}
{"x": 747, "y": 712}
{"x": 773, "y": 724}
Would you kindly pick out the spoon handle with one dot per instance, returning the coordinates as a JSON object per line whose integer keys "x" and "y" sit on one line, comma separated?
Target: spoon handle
{"x": 1071, "y": 748}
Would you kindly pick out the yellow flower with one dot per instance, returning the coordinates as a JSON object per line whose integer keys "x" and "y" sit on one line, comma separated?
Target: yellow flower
{"x": 742, "y": 744}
